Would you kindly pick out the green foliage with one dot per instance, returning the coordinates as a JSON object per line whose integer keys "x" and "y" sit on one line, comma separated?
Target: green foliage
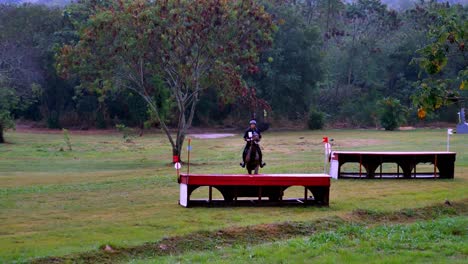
{"x": 66, "y": 138}
{"x": 323, "y": 53}
{"x": 8, "y": 101}
{"x": 444, "y": 59}
{"x": 359, "y": 111}
{"x": 127, "y": 133}
{"x": 292, "y": 68}
{"x": 190, "y": 46}
{"x": 315, "y": 119}
{"x": 391, "y": 113}
{"x": 26, "y": 40}
{"x": 52, "y": 120}
{"x": 441, "y": 240}
{"x": 366, "y": 53}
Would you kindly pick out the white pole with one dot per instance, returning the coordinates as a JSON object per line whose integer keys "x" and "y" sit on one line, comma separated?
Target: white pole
{"x": 449, "y": 132}
{"x": 327, "y": 153}
{"x": 325, "y": 161}
{"x": 448, "y": 142}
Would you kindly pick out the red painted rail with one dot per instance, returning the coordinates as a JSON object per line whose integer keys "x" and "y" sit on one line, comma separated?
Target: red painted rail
{"x": 271, "y": 186}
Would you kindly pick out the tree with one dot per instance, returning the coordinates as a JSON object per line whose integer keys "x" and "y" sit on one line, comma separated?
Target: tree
{"x": 8, "y": 101}
{"x": 187, "y": 45}
{"x": 355, "y": 61}
{"x": 292, "y": 67}
{"x": 25, "y": 33}
{"x": 19, "y": 74}
{"x": 444, "y": 60}
{"x": 391, "y": 113}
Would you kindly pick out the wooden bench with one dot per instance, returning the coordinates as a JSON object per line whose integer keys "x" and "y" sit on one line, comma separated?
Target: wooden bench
{"x": 369, "y": 162}
{"x": 262, "y": 186}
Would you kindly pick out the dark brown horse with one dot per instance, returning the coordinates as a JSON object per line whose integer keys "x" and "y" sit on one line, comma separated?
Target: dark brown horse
{"x": 252, "y": 159}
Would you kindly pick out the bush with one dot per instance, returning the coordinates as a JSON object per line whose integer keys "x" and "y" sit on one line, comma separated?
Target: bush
{"x": 127, "y": 133}
{"x": 391, "y": 113}
{"x": 359, "y": 112}
{"x": 53, "y": 120}
{"x": 316, "y": 119}
{"x": 66, "y": 138}
{"x": 100, "y": 120}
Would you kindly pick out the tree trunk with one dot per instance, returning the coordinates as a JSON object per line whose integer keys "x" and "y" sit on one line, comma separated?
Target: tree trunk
{"x": 2, "y": 140}
{"x": 176, "y": 154}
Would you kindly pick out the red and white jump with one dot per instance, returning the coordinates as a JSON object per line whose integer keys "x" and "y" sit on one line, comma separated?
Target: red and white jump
{"x": 259, "y": 187}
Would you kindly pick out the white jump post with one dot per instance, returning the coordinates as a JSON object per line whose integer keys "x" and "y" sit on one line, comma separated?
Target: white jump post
{"x": 327, "y": 153}
{"x": 449, "y": 132}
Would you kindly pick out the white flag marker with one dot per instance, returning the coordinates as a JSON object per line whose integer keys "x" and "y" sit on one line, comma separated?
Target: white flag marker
{"x": 449, "y": 132}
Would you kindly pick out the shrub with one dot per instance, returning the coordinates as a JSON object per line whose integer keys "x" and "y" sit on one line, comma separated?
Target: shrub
{"x": 391, "y": 113}
{"x": 53, "y": 120}
{"x": 359, "y": 112}
{"x": 316, "y": 119}
{"x": 66, "y": 138}
{"x": 127, "y": 133}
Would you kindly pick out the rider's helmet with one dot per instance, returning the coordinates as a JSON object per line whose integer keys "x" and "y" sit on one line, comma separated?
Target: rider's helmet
{"x": 253, "y": 122}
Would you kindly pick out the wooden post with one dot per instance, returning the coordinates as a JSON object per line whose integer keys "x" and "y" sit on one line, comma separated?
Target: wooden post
{"x": 305, "y": 194}
{"x": 260, "y": 193}
{"x": 435, "y": 166}
{"x": 360, "y": 166}
{"x": 381, "y": 167}
{"x": 210, "y": 194}
{"x": 235, "y": 194}
{"x": 398, "y": 170}
{"x": 326, "y": 197}
{"x": 339, "y": 169}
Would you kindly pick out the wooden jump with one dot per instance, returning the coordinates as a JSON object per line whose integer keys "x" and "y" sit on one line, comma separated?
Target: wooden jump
{"x": 259, "y": 187}
{"x": 369, "y": 162}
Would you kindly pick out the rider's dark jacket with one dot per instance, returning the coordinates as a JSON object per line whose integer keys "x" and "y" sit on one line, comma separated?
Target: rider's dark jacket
{"x": 255, "y": 130}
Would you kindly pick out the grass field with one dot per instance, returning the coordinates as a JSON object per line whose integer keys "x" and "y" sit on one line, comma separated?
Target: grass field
{"x": 55, "y": 203}
{"x": 439, "y": 241}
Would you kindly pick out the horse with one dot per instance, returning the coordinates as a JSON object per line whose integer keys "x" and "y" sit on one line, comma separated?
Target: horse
{"x": 252, "y": 158}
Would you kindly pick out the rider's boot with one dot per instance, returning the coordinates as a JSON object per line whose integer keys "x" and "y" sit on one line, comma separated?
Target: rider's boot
{"x": 244, "y": 154}
{"x": 262, "y": 164}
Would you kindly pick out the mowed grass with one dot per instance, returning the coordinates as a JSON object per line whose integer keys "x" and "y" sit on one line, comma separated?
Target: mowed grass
{"x": 105, "y": 191}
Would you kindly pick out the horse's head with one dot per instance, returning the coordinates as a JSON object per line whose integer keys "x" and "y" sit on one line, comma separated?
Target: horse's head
{"x": 255, "y": 138}
{"x": 252, "y": 158}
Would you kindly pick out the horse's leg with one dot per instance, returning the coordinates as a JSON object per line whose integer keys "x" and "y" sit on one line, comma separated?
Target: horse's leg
{"x": 257, "y": 162}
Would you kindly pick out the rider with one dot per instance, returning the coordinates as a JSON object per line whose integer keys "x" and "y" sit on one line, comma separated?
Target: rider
{"x": 252, "y": 130}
